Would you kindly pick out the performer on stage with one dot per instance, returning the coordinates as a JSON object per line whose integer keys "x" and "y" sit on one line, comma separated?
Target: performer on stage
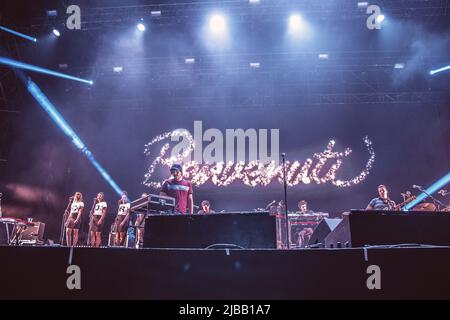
{"x": 73, "y": 221}
{"x": 122, "y": 219}
{"x": 206, "y": 208}
{"x": 140, "y": 224}
{"x": 303, "y": 207}
{"x": 97, "y": 220}
{"x": 180, "y": 189}
{"x": 305, "y": 234}
{"x": 382, "y": 202}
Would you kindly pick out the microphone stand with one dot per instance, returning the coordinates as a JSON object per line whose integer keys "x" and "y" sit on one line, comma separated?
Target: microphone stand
{"x": 91, "y": 215}
{"x": 438, "y": 203}
{"x": 283, "y": 156}
{"x": 63, "y": 223}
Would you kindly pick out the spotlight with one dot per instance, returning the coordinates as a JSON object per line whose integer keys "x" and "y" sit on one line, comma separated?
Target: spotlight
{"x": 141, "y": 27}
{"x": 255, "y": 65}
{"x": 54, "y": 114}
{"x": 362, "y": 4}
{"x": 380, "y": 18}
{"x": 399, "y": 66}
{"x": 118, "y": 69}
{"x": 155, "y": 13}
{"x": 323, "y": 56}
{"x": 295, "y": 23}
{"x": 63, "y": 66}
{"x": 439, "y": 70}
{"x": 254, "y": 1}
{"x": 52, "y": 13}
{"x": 56, "y": 32}
{"x": 430, "y": 190}
{"x": 18, "y": 34}
{"x": 26, "y": 66}
{"x": 217, "y": 24}
{"x": 189, "y": 60}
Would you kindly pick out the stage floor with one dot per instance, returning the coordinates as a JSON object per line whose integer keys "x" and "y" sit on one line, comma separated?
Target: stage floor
{"x": 119, "y": 273}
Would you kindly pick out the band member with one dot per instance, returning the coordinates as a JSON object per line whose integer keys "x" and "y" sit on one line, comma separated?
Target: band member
{"x": 140, "y": 224}
{"x": 97, "y": 220}
{"x": 206, "y": 208}
{"x": 382, "y": 202}
{"x": 303, "y": 207}
{"x": 305, "y": 234}
{"x": 73, "y": 221}
{"x": 122, "y": 219}
{"x": 180, "y": 189}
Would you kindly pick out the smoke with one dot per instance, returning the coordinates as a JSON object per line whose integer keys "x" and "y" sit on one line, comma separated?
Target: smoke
{"x": 425, "y": 49}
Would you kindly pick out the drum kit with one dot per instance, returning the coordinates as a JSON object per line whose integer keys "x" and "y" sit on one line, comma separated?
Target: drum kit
{"x": 436, "y": 205}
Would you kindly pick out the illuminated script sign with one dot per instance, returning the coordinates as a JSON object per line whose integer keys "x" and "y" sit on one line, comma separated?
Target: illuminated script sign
{"x": 321, "y": 168}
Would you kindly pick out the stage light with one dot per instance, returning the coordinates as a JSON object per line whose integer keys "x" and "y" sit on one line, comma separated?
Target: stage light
{"x": 155, "y": 13}
{"x": 118, "y": 69}
{"x": 380, "y": 18}
{"x": 40, "y": 97}
{"x": 63, "y": 66}
{"x": 189, "y": 60}
{"x": 56, "y": 32}
{"x": 18, "y": 34}
{"x": 295, "y": 23}
{"x": 430, "y": 190}
{"x": 439, "y": 70}
{"x": 363, "y": 4}
{"x": 399, "y": 66}
{"x": 26, "y": 66}
{"x": 52, "y": 13}
{"x": 323, "y": 56}
{"x": 217, "y": 24}
{"x": 255, "y": 65}
{"x": 254, "y": 1}
{"x": 141, "y": 27}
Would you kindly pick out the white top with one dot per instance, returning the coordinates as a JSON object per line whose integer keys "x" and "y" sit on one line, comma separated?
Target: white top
{"x": 123, "y": 209}
{"x": 76, "y": 207}
{"x": 98, "y": 210}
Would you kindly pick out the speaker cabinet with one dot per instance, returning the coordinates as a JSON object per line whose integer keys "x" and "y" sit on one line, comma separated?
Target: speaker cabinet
{"x": 362, "y": 228}
{"x": 322, "y": 230}
{"x": 232, "y": 230}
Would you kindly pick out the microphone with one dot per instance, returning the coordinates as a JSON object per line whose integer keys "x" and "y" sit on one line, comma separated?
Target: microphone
{"x": 268, "y": 206}
{"x": 416, "y": 186}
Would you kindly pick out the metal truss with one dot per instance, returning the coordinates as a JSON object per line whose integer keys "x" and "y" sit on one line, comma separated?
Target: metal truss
{"x": 103, "y": 14}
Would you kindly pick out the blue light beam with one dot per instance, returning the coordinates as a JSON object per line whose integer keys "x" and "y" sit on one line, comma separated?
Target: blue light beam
{"x": 68, "y": 131}
{"x": 439, "y": 70}
{"x": 26, "y": 66}
{"x": 18, "y": 34}
{"x": 432, "y": 189}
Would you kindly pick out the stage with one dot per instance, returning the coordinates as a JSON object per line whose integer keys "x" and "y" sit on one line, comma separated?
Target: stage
{"x": 224, "y": 150}
{"x": 115, "y": 273}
